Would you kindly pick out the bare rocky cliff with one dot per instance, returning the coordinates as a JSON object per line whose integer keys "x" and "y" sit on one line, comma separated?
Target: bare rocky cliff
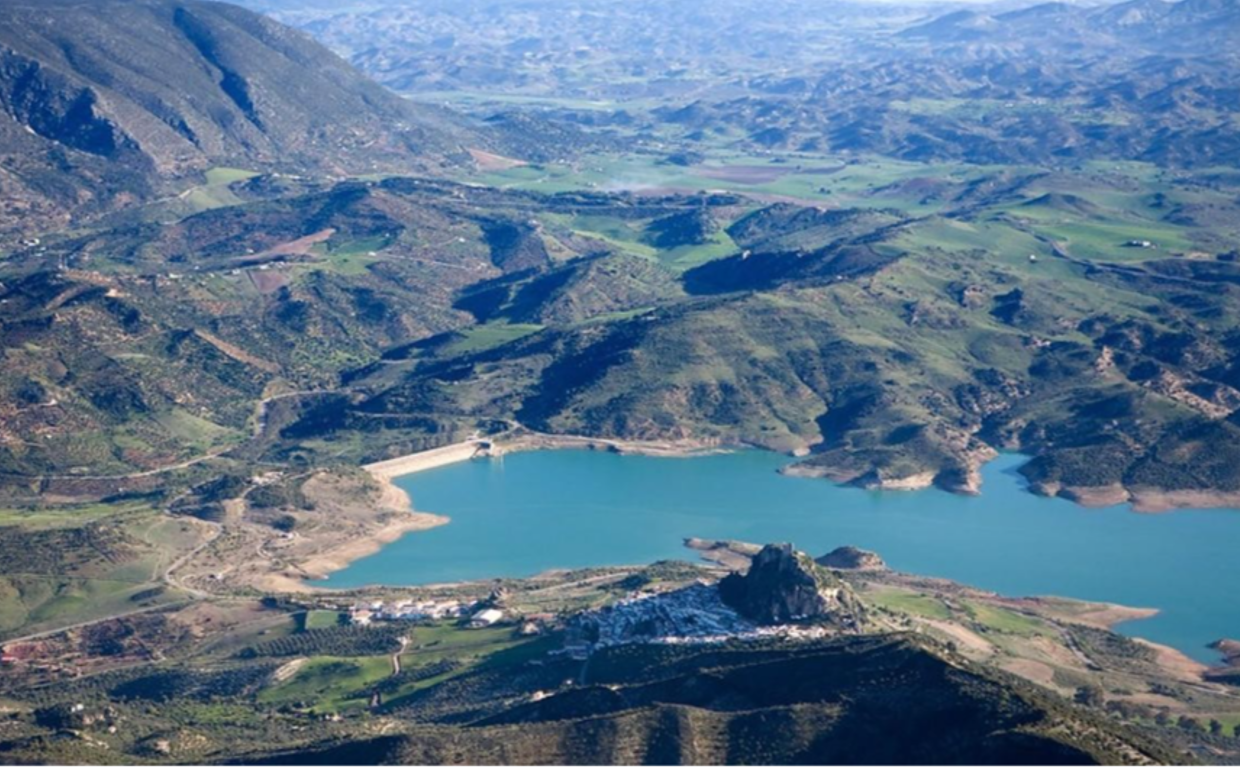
{"x": 786, "y": 586}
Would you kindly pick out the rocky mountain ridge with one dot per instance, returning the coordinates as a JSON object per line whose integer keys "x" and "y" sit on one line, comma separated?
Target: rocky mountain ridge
{"x": 785, "y": 586}
{"x": 109, "y": 103}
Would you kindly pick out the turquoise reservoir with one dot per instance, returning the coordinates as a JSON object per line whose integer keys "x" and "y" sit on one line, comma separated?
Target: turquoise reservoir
{"x": 529, "y": 512}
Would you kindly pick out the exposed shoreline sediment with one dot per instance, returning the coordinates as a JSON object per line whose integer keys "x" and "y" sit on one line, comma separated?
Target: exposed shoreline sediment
{"x": 385, "y": 472}
{"x": 393, "y": 498}
{"x": 400, "y": 518}
{"x": 321, "y": 565}
{"x": 1141, "y": 500}
{"x": 409, "y": 520}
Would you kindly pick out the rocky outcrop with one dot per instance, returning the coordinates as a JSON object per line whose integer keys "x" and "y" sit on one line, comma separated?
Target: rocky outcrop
{"x": 1229, "y": 648}
{"x": 786, "y": 586}
{"x": 733, "y": 555}
{"x": 1229, "y": 672}
{"x": 852, "y": 559}
{"x": 878, "y": 480}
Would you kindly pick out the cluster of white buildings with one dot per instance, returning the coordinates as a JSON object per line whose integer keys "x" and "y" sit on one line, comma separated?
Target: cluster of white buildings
{"x": 694, "y": 615}
{"x": 405, "y": 610}
{"x": 486, "y": 617}
{"x": 365, "y": 614}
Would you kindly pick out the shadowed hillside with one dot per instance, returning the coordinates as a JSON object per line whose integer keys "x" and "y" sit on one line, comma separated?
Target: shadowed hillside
{"x": 876, "y": 700}
{"x": 103, "y": 103}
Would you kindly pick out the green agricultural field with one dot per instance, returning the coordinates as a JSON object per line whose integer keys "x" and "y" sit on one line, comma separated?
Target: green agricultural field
{"x": 61, "y": 516}
{"x": 225, "y": 175}
{"x": 319, "y": 620}
{"x": 331, "y": 683}
{"x": 215, "y": 714}
{"x": 1004, "y": 620}
{"x": 52, "y": 579}
{"x": 452, "y": 637}
{"x": 348, "y": 258}
{"x": 1105, "y": 241}
{"x": 489, "y": 336}
{"x": 450, "y": 641}
{"x": 907, "y": 602}
{"x": 215, "y": 193}
{"x": 360, "y": 247}
{"x": 687, "y": 257}
{"x": 41, "y": 603}
{"x": 471, "y": 99}
{"x": 631, "y": 236}
{"x": 786, "y": 175}
{"x": 997, "y": 238}
{"x": 621, "y": 234}
{"x": 810, "y": 178}
{"x": 612, "y": 317}
{"x": 464, "y": 650}
{"x": 195, "y": 431}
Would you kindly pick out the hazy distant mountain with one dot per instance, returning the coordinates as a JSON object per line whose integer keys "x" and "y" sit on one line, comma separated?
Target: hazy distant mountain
{"x": 102, "y": 102}
{"x": 1204, "y": 27}
{"x": 1047, "y": 83}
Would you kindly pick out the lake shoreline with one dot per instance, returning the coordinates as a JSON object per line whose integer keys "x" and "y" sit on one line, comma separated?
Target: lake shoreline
{"x": 1099, "y": 614}
{"x": 394, "y": 498}
{"x": 672, "y": 449}
{"x": 1145, "y": 500}
{"x": 321, "y": 565}
{"x": 397, "y": 517}
{"x": 386, "y": 472}
{"x": 537, "y": 514}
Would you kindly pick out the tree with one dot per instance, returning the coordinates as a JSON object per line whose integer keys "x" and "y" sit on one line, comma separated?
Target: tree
{"x": 1216, "y": 728}
{"x": 1090, "y": 696}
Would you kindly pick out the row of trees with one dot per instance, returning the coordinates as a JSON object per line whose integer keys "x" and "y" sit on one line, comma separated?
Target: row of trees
{"x": 1094, "y": 696}
{"x": 331, "y": 641}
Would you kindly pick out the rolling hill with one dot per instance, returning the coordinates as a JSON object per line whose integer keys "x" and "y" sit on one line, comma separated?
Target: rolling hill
{"x": 108, "y": 103}
{"x": 887, "y": 242}
{"x": 880, "y": 700}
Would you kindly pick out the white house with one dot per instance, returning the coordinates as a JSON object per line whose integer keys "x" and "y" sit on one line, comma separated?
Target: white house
{"x": 486, "y": 618}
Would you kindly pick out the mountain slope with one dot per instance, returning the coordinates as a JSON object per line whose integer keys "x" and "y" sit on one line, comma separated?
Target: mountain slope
{"x": 895, "y": 359}
{"x": 151, "y": 344}
{"x": 1140, "y": 26}
{"x": 102, "y": 103}
{"x": 876, "y": 700}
